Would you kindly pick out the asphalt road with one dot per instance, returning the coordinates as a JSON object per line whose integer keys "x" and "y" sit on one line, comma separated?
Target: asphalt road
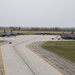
{"x": 19, "y": 60}
{"x": 65, "y": 66}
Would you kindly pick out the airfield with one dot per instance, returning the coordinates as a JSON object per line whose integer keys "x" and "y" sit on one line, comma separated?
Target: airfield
{"x": 21, "y": 58}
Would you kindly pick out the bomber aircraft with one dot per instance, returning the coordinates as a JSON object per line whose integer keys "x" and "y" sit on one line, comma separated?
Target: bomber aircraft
{"x": 9, "y": 34}
{"x": 68, "y": 36}
{"x": 13, "y": 34}
{"x": 4, "y": 34}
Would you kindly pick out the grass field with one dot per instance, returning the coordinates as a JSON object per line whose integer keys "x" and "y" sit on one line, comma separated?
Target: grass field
{"x": 40, "y": 32}
{"x": 65, "y": 49}
{"x": 36, "y": 32}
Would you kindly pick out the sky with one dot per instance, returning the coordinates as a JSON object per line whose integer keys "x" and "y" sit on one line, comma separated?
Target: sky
{"x": 37, "y": 13}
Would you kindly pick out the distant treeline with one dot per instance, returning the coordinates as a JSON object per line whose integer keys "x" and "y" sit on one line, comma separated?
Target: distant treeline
{"x": 38, "y": 29}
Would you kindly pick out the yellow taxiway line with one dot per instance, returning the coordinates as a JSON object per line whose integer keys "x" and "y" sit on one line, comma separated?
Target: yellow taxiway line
{"x": 3, "y": 61}
{"x": 47, "y": 63}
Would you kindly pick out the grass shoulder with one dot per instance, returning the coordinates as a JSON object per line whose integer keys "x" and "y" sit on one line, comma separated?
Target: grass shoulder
{"x": 65, "y": 49}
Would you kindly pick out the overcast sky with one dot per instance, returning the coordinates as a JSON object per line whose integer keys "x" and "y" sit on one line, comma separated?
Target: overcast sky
{"x": 37, "y": 13}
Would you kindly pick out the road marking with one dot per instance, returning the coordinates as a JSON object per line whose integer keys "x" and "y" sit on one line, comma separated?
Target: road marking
{"x": 45, "y": 61}
{"x": 23, "y": 60}
{"x": 3, "y": 61}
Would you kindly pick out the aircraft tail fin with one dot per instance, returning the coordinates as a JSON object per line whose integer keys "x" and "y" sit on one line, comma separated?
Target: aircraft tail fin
{"x": 72, "y": 32}
{"x": 62, "y": 32}
{"x": 4, "y": 31}
{"x": 11, "y": 31}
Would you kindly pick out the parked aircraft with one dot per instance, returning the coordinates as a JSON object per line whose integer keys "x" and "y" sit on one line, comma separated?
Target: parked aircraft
{"x": 68, "y": 36}
{"x": 9, "y": 34}
{"x": 13, "y": 34}
{"x": 4, "y": 34}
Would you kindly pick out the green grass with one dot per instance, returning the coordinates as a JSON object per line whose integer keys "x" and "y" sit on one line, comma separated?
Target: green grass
{"x": 65, "y": 49}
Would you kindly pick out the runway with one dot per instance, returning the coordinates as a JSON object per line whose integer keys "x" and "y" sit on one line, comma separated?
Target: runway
{"x": 19, "y": 60}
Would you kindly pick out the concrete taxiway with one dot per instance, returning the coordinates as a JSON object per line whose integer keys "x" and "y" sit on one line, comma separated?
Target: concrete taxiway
{"x": 19, "y": 60}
